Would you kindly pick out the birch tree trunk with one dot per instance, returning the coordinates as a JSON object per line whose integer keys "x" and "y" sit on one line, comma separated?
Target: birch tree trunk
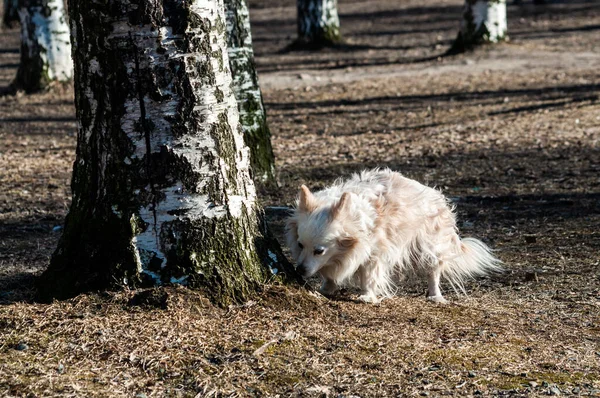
{"x": 483, "y": 21}
{"x": 10, "y": 16}
{"x": 161, "y": 185}
{"x": 247, "y": 91}
{"x": 318, "y": 22}
{"x": 45, "y": 45}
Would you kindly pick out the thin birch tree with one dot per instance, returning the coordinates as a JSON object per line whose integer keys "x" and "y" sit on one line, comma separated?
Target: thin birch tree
{"x": 45, "y": 45}
{"x": 10, "y": 16}
{"x": 318, "y": 23}
{"x": 483, "y": 21}
{"x": 247, "y": 92}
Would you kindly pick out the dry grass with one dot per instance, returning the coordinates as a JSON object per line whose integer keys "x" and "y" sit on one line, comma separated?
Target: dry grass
{"x": 517, "y": 148}
{"x": 292, "y": 343}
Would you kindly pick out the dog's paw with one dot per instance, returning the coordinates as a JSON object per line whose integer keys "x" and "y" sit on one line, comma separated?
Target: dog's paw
{"x": 369, "y": 298}
{"x": 328, "y": 289}
{"x": 328, "y": 294}
{"x": 437, "y": 299}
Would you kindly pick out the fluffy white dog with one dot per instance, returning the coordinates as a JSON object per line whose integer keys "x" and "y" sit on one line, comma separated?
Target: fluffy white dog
{"x": 377, "y": 226}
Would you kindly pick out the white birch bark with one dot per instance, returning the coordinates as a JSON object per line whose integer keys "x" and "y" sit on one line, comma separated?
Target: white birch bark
{"x": 45, "y": 45}
{"x": 318, "y": 22}
{"x": 162, "y": 191}
{"x": 247, "y": 91}
{"x": 483, "y": 21}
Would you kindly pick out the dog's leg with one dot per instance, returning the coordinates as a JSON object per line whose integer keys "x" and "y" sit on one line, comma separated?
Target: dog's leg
{"x": 433, "y": 290}
{"x": 328, "y": 287}
{"x": 368, "y": 273}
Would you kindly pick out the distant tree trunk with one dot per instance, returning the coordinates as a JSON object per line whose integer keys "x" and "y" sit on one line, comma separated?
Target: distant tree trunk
{"x": 45, "y": 45}
{"x": 161, "y": 185}
{"x": 318, "y": 22}
{"x": 10, "y": 17}
{"x": 483, "y": 21}
{"x": 247, "y": 92}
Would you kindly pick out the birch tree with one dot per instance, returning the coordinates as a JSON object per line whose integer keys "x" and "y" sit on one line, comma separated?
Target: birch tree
{"x": 318, "y": 23}
{"x": 161, "y": 185}
{"x": 45, "y": 45}
{"x": 10, "y": 16}
{"x": 247, "y": 91}
{"x": 483, "y": 21}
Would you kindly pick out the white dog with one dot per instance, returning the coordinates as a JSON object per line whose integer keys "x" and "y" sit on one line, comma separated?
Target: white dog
{"x": 375, "y": 227}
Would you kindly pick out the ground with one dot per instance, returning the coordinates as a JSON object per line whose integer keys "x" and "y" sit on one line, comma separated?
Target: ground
{"x": 509, "y": 132}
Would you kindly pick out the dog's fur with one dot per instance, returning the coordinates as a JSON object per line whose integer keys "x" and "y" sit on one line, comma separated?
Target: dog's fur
{"x": 377, "y": 226}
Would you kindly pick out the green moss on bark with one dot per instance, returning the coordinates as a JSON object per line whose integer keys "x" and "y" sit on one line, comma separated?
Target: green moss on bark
{"x": 204, "y": 247}
{"x": 261, "y": 152}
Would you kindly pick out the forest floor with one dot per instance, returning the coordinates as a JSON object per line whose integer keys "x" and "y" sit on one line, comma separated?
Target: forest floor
{"x": 510, "y": 132}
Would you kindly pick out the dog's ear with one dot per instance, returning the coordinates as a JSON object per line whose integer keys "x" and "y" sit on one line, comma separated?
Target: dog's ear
{"x": 340, "y": 206}
{"x": 307, "y": 200}
{"x": 291, "y": 225}
{"x": 291, "y": 236}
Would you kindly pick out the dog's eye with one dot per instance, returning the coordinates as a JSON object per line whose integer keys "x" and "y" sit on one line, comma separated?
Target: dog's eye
{"x": 318, "y": 251}
{"x": 300, "y": 245}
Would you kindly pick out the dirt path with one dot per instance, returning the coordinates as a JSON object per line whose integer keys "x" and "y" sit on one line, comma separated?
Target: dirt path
{"x": 507, "y": 58}
{"x": 386, "y": 40}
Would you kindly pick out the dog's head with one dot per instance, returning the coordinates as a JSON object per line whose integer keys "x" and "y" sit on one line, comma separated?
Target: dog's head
{"x": 319, "y": 234}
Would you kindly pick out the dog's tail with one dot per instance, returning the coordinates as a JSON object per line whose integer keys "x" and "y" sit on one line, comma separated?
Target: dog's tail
{"x": 475, "y": 259}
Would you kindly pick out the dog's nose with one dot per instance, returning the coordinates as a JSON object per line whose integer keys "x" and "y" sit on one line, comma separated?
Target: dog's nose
{"x": 301, "y": 269}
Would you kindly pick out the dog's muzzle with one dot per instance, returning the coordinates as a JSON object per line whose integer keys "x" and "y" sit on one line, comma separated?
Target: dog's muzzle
{"x": 301, "y": 269}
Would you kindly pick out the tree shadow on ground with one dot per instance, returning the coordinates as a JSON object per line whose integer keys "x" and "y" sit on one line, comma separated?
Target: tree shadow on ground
{"x": 496, "y": 178}
{"x": 38, "y": 119}
{"x": 386, "y": 34}
{"x": 571, "y": 93}
{"x": 590, "y": 99}
{"x": 321, "y": 65}
{"x": 27, "y": 243}
{"x": 349, "y": 47}
{"x": 17, "y": 287}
